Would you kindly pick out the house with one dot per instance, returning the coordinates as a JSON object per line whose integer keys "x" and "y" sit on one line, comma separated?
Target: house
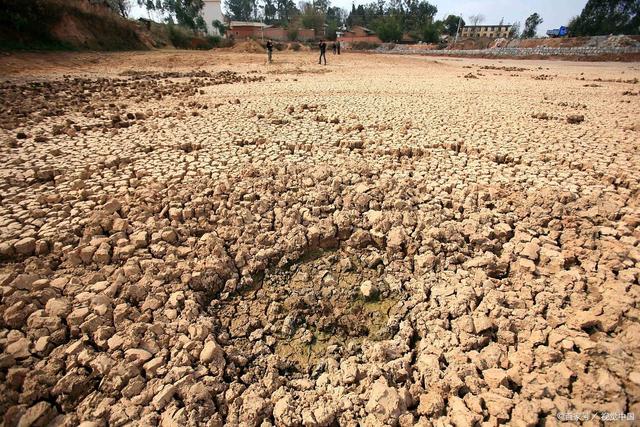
{"x": 487, "y": 31}
{"x": 359, "y": 31}
{"x": 258, "y": 30}
{"x": 212, "y": 11}
{"x": 282, "y": 34}
{"x": 244, "y": 29}
{"x": 358, "y": 34}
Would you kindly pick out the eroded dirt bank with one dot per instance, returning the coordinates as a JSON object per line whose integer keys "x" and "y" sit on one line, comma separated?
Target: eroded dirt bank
{"x": 382, "y": 241}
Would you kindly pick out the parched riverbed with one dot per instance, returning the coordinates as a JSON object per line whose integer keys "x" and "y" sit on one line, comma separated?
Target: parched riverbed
{"x": 197, "y": 238}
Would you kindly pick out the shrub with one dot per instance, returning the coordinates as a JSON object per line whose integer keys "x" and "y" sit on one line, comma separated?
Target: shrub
{"x": 388, "y": 28}
{"x": 292, "y": 33}
{"x": 179, "y": 37}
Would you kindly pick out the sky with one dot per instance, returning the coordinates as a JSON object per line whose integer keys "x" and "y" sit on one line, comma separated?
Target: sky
{"x": 554, "y": 12}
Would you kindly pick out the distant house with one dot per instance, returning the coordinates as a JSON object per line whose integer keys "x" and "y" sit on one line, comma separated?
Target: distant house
{"x": 282, "y": 34}
{"x": 244, "y": 29}
{"x": 258, "y": 30}
{"x": 486, "y": 31}
{"x": 212, "y": 11}
{"x": 358, "y": 34}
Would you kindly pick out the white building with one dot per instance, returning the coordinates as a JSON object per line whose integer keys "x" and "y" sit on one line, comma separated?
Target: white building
{"x": 212, "y": 11}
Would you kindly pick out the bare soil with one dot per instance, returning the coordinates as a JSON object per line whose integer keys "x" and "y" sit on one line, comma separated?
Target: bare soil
{"x": 199, "y": 238}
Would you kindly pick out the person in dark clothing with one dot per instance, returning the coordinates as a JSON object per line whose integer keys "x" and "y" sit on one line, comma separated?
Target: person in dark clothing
{"x": 323, "y": 52}
{"x": 334, "y": 47}
{"x": 269, "y": 50}
{"x": 338, "y": 47}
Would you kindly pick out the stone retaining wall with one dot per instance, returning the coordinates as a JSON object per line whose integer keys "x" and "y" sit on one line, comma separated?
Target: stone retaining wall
{"x": 514, "y": 51}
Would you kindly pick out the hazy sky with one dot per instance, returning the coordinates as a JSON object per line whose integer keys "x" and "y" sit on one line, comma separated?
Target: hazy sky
{"x": 553, "y": 12}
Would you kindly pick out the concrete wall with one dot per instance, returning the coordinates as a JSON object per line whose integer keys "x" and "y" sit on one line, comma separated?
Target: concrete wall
{"x": 355, "y": 39}
{"x": 211, "y": 11}
{"x": 515, "y": 51}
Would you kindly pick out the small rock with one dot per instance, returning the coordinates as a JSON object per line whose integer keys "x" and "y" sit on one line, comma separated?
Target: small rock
{"x": 368, "y": 289}
{"x": 26, "y": 246}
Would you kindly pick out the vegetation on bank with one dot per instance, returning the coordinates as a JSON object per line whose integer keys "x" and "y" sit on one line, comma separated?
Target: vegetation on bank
{"x": 64, "y": 24}
{"x": 83, "y": 25}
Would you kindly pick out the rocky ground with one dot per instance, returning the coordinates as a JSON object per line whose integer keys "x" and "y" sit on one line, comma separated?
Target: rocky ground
{"x": 207, "y": 240}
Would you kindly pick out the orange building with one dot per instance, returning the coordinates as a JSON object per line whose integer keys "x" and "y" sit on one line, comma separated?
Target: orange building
{"x": 243, "y": 30}
{"x": 257, "y": 30}
{"x": 358, "y": 34}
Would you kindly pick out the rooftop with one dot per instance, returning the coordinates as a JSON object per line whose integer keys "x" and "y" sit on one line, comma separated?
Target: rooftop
{"x": 248, "y": 24}
{"x": 488, "y": 25}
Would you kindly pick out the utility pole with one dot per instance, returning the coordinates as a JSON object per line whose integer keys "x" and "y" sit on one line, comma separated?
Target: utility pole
{"x": 458, "y": 29}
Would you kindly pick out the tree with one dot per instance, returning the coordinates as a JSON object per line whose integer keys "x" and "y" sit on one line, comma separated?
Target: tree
{"x": 219, "y": 26}
{"x": 269, "y": 11}
{"x": 332, "y": 30}
{"x": 430, "y": 32}
{"x": 600, "y": 17}
{"x": 388, "y": 28}
{"x": 286, "y": 10}
{"x": 241, "y": 10}
{"x": 321, "y": 6}
{"x": 514, "y": 31}
{"x": 310, "y": 17}
{"x": 337, "y": 15}
{"x": 414, "y": 15}
{"x": 123, "y": 7}
{"x": 185, "y": 12}
{"x": 450, "y": 24}
{"x": 531, "y": 25}
{"x": 476, "y": 19}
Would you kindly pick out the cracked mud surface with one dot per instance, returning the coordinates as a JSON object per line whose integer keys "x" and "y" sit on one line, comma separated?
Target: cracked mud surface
{"x": 200, "y": 239}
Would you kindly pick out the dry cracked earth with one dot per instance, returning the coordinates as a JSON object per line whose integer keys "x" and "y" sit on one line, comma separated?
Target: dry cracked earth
{"x": 200, "y": 239}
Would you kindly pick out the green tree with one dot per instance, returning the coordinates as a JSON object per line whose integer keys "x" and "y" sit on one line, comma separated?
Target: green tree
{"x": 332, "y": 29}
{"x": 219, "y": 26}
{"x": 336, "y": 15}
{"x": 450, "y": 24}
{"x": 241, "y": 10}
{"x": 531, "y": 25}
{"x": 269, "y": 11}
{"x": 286, "y": 10}
{"x": 186, "y": 12}
{"x": 321, "y": 6}
{"x": 310, "y": 17}
{"x": 600, "y": 17}
{"x": 430, "y": 32}
{"x": 388, "y": 28}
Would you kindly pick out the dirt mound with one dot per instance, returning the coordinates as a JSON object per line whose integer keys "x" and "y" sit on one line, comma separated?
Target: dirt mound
{"x": 248, "y": 46}
{"x": 298, "y": 47}
{"x": 475, "y": 43}
{"x": 548, "y": 42}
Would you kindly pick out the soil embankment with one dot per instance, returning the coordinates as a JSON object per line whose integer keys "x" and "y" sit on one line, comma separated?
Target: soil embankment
{"x": 67, "y": 25}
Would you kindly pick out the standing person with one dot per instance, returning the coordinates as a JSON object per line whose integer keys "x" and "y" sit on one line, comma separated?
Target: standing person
{"x": 323, "y": 52}
{"x": 338, "y": 46}
{"x": 269, "y": 50}
{"x": 334, "y": 47}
